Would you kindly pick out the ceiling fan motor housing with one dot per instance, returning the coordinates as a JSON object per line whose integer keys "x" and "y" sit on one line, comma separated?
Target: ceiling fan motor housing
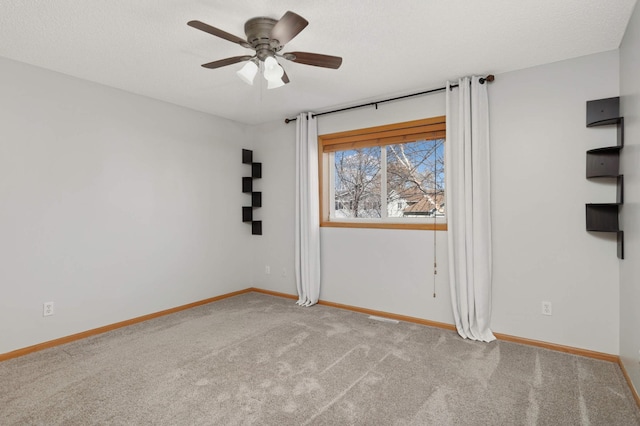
{"x": 258, "y": 31}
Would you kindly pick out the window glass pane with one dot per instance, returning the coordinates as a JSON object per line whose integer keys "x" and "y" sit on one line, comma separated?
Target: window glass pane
{"x": 357, "y": 183}
{"x": 415, "y": 179}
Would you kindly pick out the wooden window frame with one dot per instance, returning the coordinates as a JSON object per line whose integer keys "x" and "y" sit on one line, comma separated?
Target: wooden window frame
{"x": 409, "y": 131}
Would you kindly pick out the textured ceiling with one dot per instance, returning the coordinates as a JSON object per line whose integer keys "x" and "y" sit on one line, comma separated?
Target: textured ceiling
{"x": 390, "y": 47}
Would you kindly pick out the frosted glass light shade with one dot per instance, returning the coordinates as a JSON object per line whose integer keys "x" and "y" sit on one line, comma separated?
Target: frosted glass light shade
{"x": 272, "y": 70}
{"x": 248, "y": 72}
{"x": 274, "y": 84}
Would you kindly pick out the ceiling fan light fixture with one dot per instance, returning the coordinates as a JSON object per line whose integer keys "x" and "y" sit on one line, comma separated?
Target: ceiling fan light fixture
{"x": 248, "y": 72}
{"x": 273, "y": 72}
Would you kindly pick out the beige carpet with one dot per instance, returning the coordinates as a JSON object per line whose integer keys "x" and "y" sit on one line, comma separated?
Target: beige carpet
{"x": 258, "y": 359}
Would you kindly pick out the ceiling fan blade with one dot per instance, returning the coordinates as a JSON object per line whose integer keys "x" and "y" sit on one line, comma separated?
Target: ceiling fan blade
{"x": 218, "y": 33}
{"x": 314, "y": 59}
{"x": 227, "y": 61}
{"x": 288, "y": 27}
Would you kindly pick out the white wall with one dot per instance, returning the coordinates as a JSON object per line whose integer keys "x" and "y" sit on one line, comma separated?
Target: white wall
{"x": 541, "y": 248}
{"x": 112, "y": 205}
{"x": 275, "y": 148}
{"x": 630, "y": 266}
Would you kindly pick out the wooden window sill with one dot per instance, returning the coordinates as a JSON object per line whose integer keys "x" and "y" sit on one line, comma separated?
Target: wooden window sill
{"x": 386, "y": 225}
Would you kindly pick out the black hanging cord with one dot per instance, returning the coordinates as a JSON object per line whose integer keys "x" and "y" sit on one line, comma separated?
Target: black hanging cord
{"x": 488, "y": 78}
{"x": 435, "y": 211}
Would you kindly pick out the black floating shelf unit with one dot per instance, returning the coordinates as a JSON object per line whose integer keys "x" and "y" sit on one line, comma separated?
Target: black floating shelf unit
{"x": 605, "y": 163}
{"x": 247, "y": 188}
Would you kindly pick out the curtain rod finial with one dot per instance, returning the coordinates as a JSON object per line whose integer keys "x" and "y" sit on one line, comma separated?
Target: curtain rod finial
{"x": 488, "y": 78}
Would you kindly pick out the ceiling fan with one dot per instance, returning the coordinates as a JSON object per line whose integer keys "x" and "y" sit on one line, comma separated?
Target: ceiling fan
{"x": 267, "y": 37}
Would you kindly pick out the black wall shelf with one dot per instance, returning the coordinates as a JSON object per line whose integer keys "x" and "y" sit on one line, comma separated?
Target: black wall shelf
{"x": 605, "y": 163}
{"x": 602, "y": 217}
{"x": 602, "y": 112}
{"x": 256, "y": 227}
{"x": 247, "y": 156}
{"x": 256, "y": 170}
{"x": 247, "y": 188}
{"x": 256, "y": 199}
{"x": 247, "y": 185}
{"x": 247, "y": 214}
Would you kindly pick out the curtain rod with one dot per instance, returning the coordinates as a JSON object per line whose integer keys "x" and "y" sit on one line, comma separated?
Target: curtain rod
{"x": 488, "y": 78}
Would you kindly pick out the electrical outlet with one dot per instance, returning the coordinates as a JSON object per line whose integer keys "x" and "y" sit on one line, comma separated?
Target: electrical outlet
{"x": 267, "y": 269}
{"x": 546, "y": 308}
{"x": 47, "y": 309}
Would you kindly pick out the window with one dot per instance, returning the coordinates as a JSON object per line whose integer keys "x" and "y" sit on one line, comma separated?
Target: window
{"x": 384, "y": 177}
